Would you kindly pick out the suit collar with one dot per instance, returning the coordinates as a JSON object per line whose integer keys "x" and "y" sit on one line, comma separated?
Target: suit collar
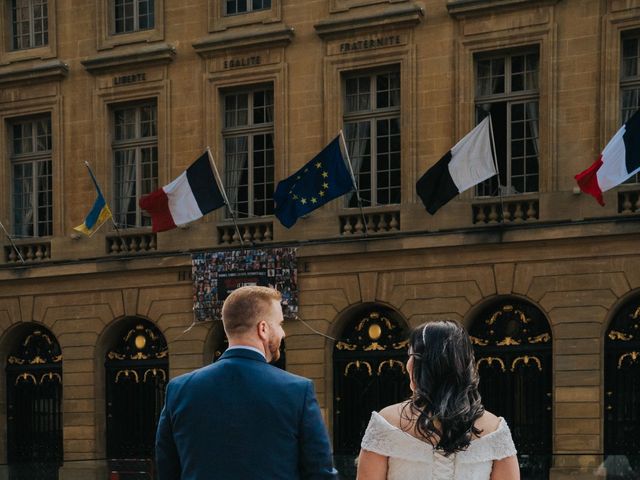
{"x": 243, "y": 353}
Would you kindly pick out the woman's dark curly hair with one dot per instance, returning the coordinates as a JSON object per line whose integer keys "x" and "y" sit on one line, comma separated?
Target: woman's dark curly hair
{"x": 446, "y": 402}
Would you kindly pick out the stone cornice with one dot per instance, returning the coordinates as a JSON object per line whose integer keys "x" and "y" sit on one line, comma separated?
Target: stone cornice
{"x": 355, "y": 22}
{"x": 465, "y": 7}
{"x": 33, "y": 72}
{"x": 132, "y": 56}
{"x": 255, "y": 37}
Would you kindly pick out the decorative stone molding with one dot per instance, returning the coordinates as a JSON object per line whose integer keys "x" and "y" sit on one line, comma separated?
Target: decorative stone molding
{"x": 255, "y": 37}
{"x": 465, "y": 7}
{"x": 33, "y": 73}
{"x": 394, "y": 16}
{"x": 152, "y": 54}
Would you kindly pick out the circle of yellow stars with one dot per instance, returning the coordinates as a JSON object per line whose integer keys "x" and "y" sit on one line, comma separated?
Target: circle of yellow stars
{"x": 321, "y": 193}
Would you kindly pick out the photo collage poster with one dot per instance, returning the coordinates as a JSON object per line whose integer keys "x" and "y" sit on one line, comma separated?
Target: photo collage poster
{"x": 217, "y": 274}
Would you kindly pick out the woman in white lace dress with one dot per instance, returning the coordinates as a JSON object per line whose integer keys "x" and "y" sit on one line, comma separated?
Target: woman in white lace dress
{"x": 442, "y": 432}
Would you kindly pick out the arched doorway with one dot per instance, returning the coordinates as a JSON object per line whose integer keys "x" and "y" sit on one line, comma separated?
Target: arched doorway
{"x": 369, "y": 373}
{"x": 136, "y": 373}
{"x": 34, "y": 401}
{"x": 512, "y": 342}
{"x": 622, "y": 392}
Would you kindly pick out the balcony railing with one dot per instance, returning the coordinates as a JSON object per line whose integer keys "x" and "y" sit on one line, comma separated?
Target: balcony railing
{"x": 629, "y": 202}
{"x": 376, "y": 222}
{"x": 507, "y": 211}
{"x": 31, "y": 252}
{"x": 255, "y": 232}
{"x": 132, "y": 243}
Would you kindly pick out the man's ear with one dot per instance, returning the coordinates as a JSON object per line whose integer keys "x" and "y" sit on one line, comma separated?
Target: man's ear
{"x": 262, "y": 330}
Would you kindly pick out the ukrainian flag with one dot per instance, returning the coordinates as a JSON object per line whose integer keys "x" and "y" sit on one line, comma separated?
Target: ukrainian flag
{"x": 99, "y": 213}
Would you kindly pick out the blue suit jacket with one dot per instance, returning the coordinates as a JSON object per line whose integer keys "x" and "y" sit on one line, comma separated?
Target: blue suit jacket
{"x": 241, "y": 418}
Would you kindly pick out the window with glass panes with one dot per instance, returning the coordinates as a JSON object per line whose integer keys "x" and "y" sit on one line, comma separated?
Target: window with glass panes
{"x": 135, "y": 161}
{"x": 248, "y": 151}
{"x": 630, "y": 81}
{"x": 31, "y": 176}
{"x": 30, "y": 23}
{"x": 507, "y": 88}
{"x": 133, "y": 15}
{"x": 372, "y": 132}
{"x": 234, "y": 7}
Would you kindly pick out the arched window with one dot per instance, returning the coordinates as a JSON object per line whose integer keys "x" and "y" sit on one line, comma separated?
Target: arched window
{"x": 622, "y": 391}
{"x": 34, "y": 400}
{"x": 137, "y": 372}
{"x": 512, "y": 342}
{"x": 369, "y": 373}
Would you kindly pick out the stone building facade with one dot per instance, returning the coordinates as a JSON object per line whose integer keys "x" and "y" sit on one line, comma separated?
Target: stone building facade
{"x": 139, "y": 88}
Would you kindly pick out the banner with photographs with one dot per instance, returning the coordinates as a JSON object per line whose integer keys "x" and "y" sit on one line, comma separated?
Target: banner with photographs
{"x": 217, "y": 274}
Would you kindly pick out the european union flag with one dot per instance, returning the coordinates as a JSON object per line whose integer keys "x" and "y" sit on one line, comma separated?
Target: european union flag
{"x": 321, "y": 180}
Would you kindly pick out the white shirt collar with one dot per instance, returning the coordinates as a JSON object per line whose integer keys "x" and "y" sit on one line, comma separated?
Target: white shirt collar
{"x": 247, "y": 347}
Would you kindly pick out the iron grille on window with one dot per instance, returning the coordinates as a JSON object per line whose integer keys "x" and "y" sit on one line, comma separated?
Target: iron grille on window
{"x": 234, "y": 7}
{"x": 133, "y": 15}
{"x": 372, "y": 131}
{"x": 135, "y": 161}
{"x": 248, "y": 151}
{"x": 630, "y": 82}
{"x": 30, "y": 23}
{"x": 31, "y": 150}
{"x": 507, "y": 88}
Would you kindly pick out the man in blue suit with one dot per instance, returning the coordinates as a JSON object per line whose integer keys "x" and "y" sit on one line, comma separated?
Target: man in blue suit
{"x": 241, "y": 418}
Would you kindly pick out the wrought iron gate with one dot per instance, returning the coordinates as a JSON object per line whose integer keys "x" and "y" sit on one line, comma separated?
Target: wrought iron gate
{"x": 622, "y": 393}
{"x": 34, "y": 397}
{"x": 512, "y": 342}
{"x": 137, "y": 371}
{"x": 369, "y": 373}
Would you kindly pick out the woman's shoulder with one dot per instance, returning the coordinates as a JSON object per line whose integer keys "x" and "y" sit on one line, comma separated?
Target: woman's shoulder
{"x": 487, "y": 423}
{"x": 395, "y": 414}
{"x": 493, "y": 443}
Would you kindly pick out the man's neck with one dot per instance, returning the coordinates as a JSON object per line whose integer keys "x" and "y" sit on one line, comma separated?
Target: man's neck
{"x": 249, "y": 345}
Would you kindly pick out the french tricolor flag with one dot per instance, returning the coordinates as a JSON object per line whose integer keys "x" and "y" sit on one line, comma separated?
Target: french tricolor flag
{"x": 190, "y": 196}
{"x": 619, "y": 160}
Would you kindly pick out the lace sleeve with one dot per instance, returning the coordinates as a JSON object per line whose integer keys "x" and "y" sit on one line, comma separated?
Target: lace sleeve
{"x": 385, "y": 439}
{"x": 493, "y": 446}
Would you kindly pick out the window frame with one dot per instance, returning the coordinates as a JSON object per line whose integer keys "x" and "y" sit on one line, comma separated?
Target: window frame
{"x": 629, "y": 83}
{"x": 509, "y": 98}
{"x": 219, "y": 20}
{"x": 31, "y": 22}
{"x": 9, "y": 54}
{"x": 137, "y": 144}
{"x": 250, "y": 130}
{"x": 249, "y": 9}
{"x": 373, "y": 115}
{"x": 136, "y": 18}
{"x": 32, "y": 158}
{"x": 107, "y": 38}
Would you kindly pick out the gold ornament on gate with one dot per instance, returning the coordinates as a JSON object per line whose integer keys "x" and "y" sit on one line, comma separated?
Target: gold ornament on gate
{"x": 374, "y": 331}
{"x": 140, "y": 341}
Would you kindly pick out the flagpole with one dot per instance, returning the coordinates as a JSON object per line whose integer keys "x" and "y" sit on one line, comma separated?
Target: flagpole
{"x": 12, "y": 242}
{"x": 495, "y": 163}
{"x": 353, "y": 180}
{"x": 224, "y": 195}
{"x": 115, "y": 226}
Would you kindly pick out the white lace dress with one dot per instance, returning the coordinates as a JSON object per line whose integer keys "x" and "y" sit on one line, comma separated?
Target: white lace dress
{"x": 413, "y": 459}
